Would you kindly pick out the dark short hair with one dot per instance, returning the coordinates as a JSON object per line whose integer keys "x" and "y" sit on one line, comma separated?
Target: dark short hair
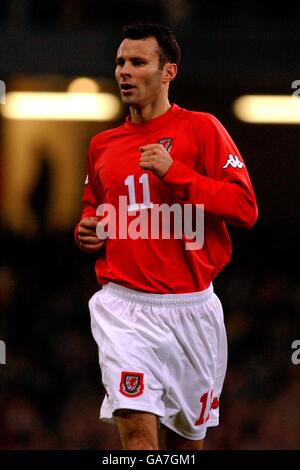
{"x": 169, "y": 50}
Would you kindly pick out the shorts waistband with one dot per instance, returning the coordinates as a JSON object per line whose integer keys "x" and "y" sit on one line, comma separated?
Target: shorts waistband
{"x": 159, "y": 299}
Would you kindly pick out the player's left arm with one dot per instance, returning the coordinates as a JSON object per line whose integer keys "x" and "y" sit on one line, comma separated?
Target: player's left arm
{"x": 156, "y": 158}
{"x": 225, "y": 189}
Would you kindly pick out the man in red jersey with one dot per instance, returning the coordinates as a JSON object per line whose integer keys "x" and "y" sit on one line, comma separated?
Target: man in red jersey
{"x": 157, "y": 322}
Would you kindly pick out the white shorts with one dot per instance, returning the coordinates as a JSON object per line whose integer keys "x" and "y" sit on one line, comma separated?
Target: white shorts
{"x": 161, "y": 353}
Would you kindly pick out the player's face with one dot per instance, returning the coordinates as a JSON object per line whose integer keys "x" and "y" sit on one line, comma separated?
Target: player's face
{"x": 138, "y": 73}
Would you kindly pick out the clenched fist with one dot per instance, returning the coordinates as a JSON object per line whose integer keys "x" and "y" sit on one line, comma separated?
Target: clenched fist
{"x": 156, "y": 158}
{"x": 87, "y": 237}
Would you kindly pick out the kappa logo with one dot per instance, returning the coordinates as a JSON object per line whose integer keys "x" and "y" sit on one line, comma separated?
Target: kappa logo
{"x": 166, "y": 142}
{"x": 234, "y": 161}
{"x": 132, "y": 384}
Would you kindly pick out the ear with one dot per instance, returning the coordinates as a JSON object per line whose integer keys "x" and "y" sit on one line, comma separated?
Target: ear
{"x": 169, "y": 72}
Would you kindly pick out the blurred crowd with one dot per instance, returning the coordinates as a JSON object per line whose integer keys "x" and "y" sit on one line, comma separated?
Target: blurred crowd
{"x": 81, "y": 14}
{"x": 51, "y": 385}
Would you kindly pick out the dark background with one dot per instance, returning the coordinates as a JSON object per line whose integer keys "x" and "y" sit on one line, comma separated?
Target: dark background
{"x": 51, "y": 385}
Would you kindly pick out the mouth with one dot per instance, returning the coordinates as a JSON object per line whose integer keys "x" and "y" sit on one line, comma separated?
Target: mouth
{"x": 126, "y": 88}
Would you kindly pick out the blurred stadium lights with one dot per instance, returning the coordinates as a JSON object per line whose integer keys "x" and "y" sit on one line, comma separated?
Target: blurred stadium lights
{"x": 83, "y": 85}
{"x": 57, "y": 106}
{"x": 268, "y": 109}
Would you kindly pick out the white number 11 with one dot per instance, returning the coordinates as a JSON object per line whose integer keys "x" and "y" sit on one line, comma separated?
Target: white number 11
{"x": 133, "y": 205}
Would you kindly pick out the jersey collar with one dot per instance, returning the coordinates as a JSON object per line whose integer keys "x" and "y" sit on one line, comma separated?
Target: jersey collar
{"x": 154, "y": 123}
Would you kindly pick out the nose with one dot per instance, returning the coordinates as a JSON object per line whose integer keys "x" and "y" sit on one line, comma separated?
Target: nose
{"x": 125, "y": 70}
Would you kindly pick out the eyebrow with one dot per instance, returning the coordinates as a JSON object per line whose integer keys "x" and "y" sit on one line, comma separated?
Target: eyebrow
{"x": 131, "y": 58}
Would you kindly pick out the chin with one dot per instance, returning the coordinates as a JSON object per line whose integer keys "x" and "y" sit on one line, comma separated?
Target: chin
{"x": 131, "y": 102}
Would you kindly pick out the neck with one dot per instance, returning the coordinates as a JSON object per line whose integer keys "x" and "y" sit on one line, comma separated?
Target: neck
{"x": 150, "y": 111}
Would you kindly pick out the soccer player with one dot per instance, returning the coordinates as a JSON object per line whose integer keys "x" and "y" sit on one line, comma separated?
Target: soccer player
{"x": 158, "y": 324}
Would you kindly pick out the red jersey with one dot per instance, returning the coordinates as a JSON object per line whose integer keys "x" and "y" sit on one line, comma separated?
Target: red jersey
{"x": 207, "y": 169}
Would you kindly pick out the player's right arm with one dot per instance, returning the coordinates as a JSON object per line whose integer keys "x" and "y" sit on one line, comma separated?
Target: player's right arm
{"x": 87, "y": 239}
{"x": 85, "y": 231}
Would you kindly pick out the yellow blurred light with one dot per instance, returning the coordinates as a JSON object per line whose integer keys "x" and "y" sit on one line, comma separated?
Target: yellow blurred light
{"x": 268, "y": 109}
{"x": 83, "y": 85}
{"x": 61, "y": 106}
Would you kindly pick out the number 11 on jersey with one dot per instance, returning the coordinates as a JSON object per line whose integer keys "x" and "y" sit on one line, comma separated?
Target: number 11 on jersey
{"x": 144, "y": 181}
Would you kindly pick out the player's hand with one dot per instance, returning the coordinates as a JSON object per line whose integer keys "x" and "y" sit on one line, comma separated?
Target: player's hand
{"x": 156, "y": 158}
{"x": 87, "y": 237}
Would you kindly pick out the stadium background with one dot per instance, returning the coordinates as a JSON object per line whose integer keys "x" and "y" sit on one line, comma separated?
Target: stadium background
{"x": 50, "y": 386}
